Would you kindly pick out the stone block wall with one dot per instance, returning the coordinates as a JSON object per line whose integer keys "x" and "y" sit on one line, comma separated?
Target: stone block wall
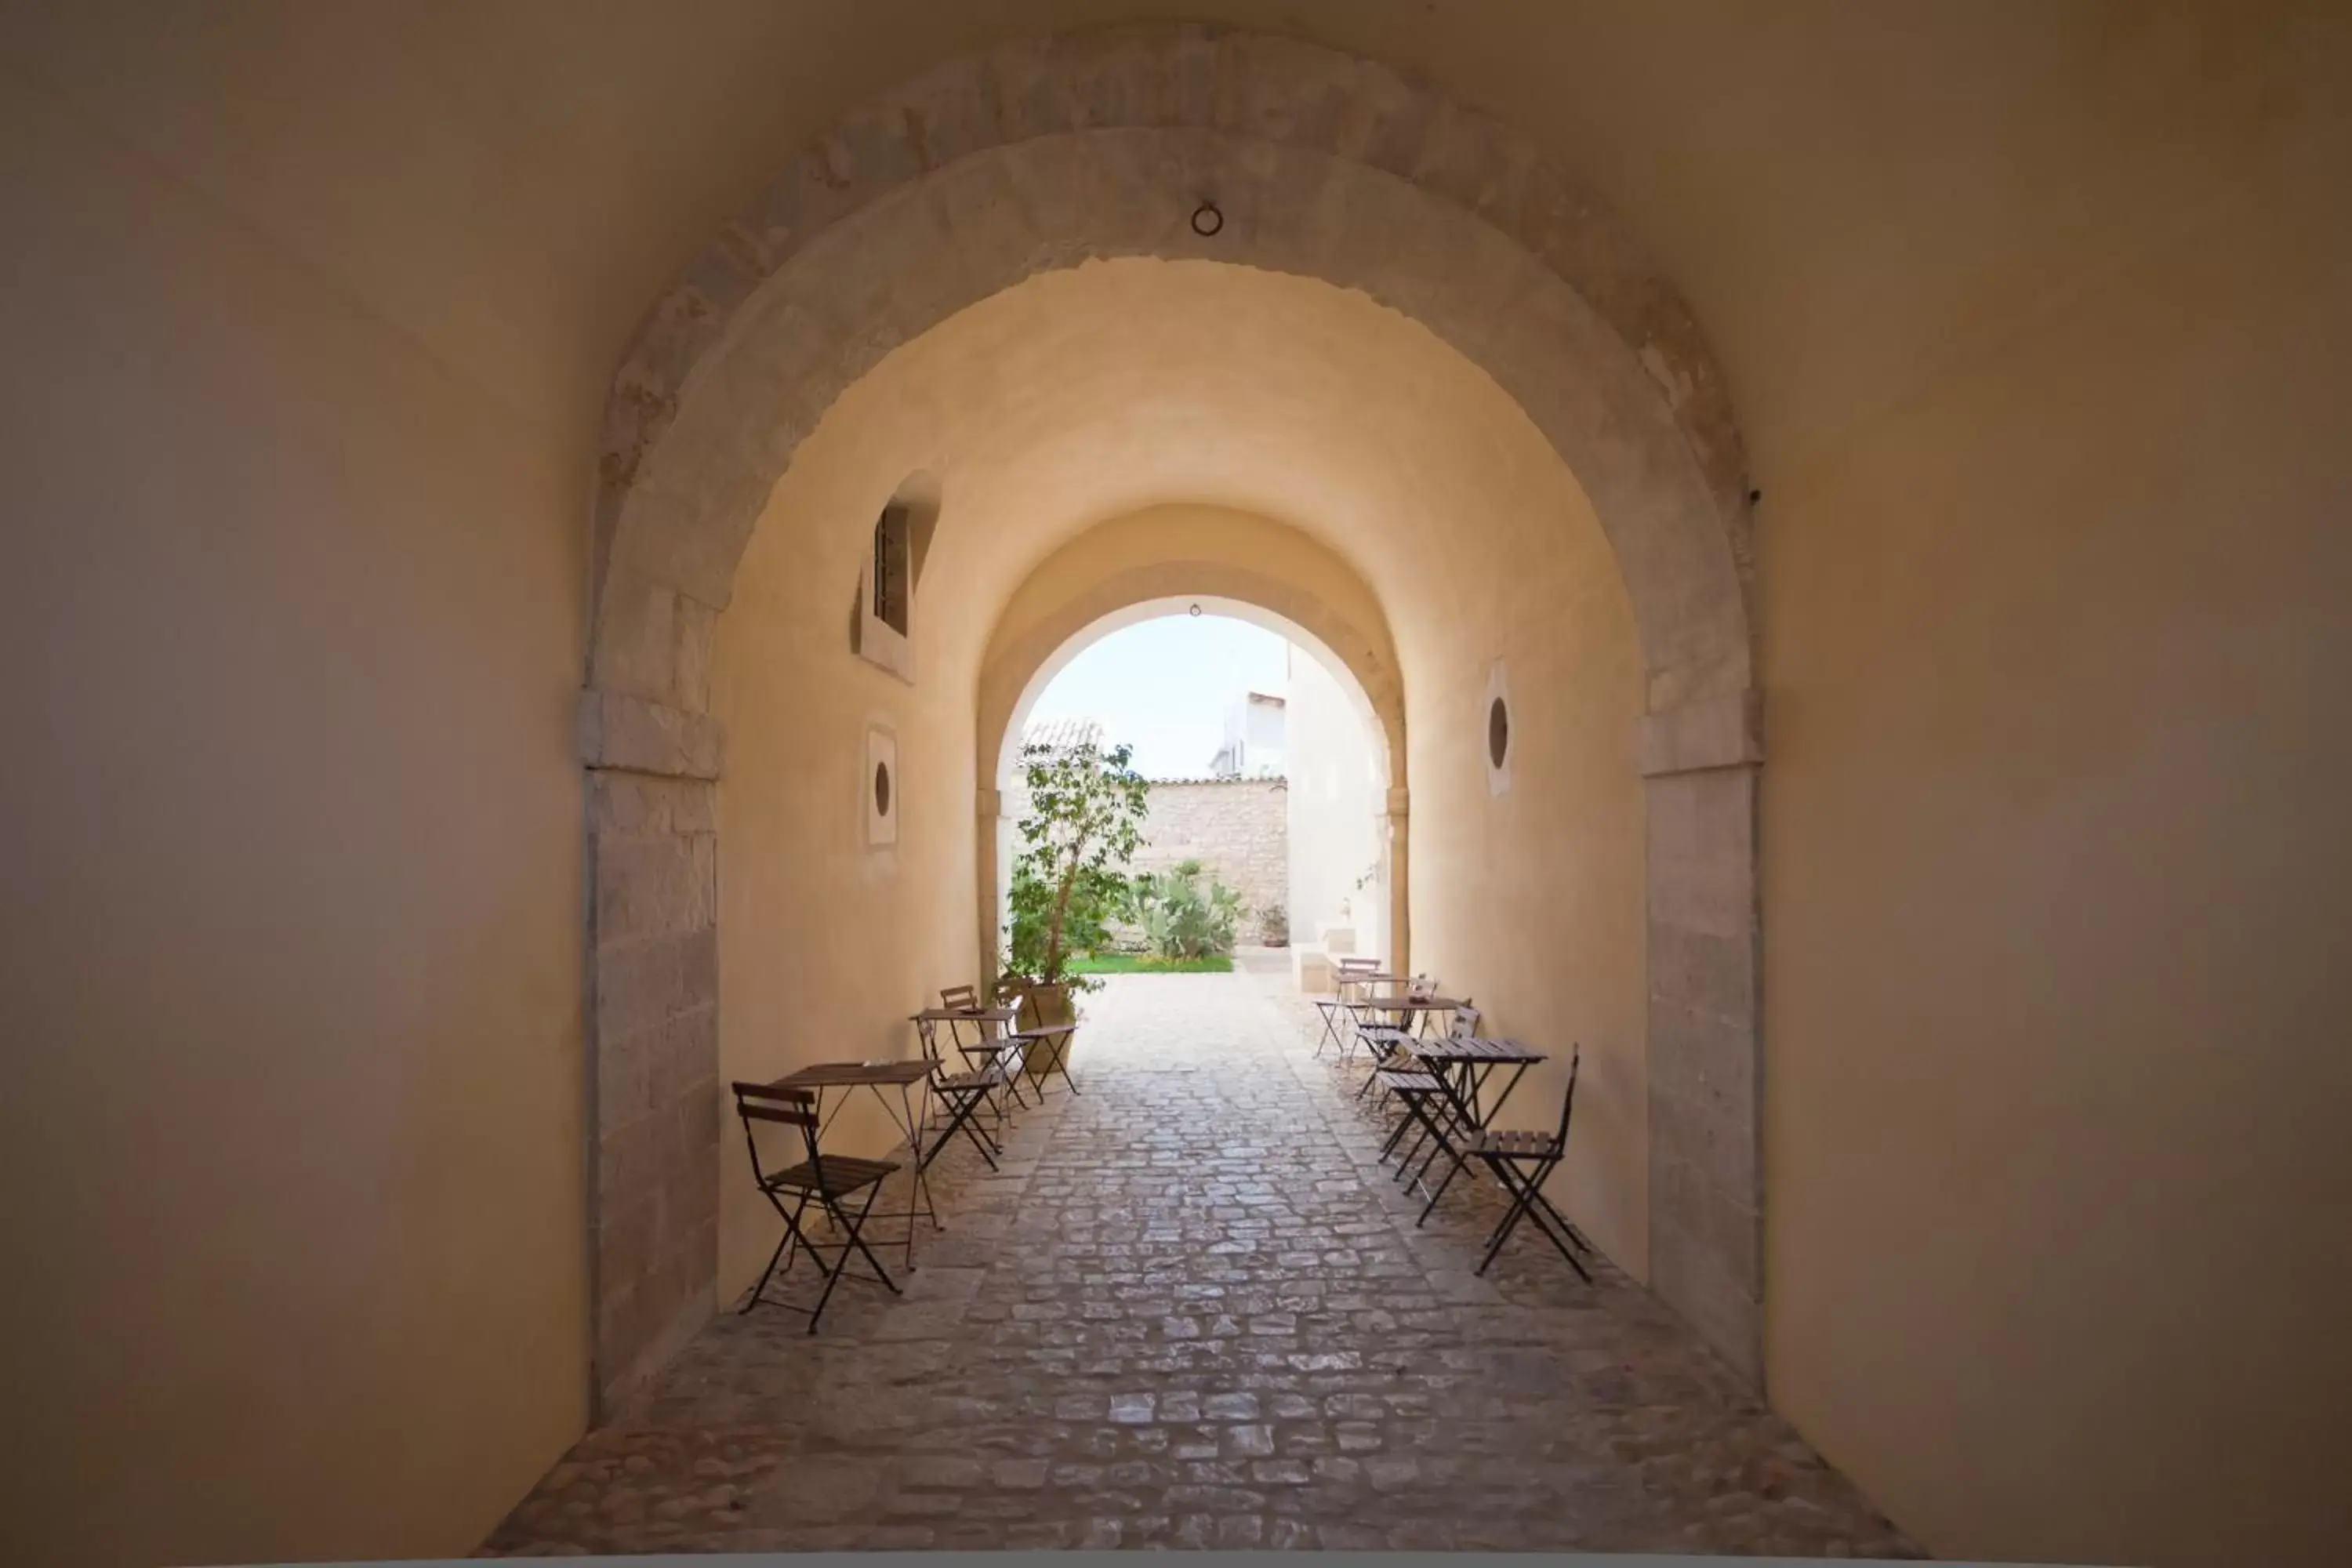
{"x": 653, "y": 857}
{"x": 1238, "y": 828}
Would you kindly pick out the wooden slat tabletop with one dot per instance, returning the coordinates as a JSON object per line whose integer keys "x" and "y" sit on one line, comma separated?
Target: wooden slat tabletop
{"x": 967, "y": 1014}
{"x": 1478, "y": 1050}
{"x": 835, "y": 1075}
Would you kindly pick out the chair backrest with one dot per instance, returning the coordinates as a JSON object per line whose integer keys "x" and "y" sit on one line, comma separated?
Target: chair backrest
{"x": 756, "y": 1102}
{"x": 1568, "y": 1099}
{"x": 963, "y": 998}
{"x": 1422, "y": 987}
{"x": 1466, "y": 1022}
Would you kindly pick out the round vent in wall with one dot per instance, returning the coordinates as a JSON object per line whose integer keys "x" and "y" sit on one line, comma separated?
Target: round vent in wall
{"x": 881, "y": 786}
{"x": 1498, "y": 730}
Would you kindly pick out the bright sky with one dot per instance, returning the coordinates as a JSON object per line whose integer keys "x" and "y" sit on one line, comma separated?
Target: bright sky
{"x": 1165, "y": 686}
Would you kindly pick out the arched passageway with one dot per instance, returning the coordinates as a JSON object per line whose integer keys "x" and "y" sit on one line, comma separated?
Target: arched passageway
{"x": 2038, "y": 324}
{"x": 784, "y": 389}
{"x": 1166, "y": 561}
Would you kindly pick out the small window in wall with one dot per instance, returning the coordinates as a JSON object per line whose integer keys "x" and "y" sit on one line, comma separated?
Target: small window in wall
{"x": 882, "y": 621}
{"x": 890, "y": 573}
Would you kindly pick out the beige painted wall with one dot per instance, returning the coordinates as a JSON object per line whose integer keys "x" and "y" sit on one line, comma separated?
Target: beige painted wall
{"x": 1530, "y": 903}
{"x": 827, "y": 944}
{"x": 2056, "y": 900}
{"x": 289, "y": 897}
{"x": 1335, "y": 837}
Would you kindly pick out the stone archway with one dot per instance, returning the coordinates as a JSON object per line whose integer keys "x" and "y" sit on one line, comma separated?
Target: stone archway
{"x": 1175, "y": 142}
{"x": 1171, "y": 554}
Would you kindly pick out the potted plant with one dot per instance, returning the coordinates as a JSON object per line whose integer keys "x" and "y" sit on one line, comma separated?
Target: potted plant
{"x": 1084, "y": 825}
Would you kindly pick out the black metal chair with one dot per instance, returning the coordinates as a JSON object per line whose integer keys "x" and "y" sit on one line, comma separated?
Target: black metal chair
{"x": 1387, "y": 1042}
{"x": 1429, "y": 1109}
{"x": 961, "y": 1096}
{"x": 986, "y": 1051}
{"x": 1522, "y": 1161}
{"x": 1047, "y": 1049}
{"x": 822, "y": 1179}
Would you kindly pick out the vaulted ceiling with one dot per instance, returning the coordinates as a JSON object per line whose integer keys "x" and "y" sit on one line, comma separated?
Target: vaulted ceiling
{"x": 1854, "y": 198}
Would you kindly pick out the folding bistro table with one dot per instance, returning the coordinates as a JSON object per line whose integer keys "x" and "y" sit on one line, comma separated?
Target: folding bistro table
{"x": 1419, "y": 1009}
{"x": 905, "y": 1114}
{"x": 1463, "y": 1067}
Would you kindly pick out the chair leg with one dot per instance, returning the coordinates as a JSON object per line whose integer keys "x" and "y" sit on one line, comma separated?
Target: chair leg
{"x": 1528, "y": 1200}
{"x": 960, "y": 1119}
{"x": 793, "y": 1233}
{"x": 1458, "y": 1160}
{"x": 1508, "y": 1223}
{"x": 1549, "y": 1216}
{"x": 854, "y": 1227}
{"x": 1396, "y": 1134}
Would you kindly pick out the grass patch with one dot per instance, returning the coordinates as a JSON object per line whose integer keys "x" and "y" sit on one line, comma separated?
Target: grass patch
{"x": 1144, "y": 964}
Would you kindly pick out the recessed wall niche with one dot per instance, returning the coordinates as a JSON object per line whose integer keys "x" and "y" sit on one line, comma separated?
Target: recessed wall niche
{"x": 882, "y": 622}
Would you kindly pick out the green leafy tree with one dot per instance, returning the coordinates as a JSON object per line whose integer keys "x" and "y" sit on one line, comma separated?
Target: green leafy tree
{"x": 1181, "y": 918}
{"x": 1085, "y": 822}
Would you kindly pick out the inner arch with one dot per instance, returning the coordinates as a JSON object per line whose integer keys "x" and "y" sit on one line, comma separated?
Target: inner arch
{"x": 1177, "y": 605}
{"x": 1388, "y": 936}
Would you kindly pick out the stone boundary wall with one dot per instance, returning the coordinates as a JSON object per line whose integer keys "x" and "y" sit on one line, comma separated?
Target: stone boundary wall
{"x": 1238, "y": 828}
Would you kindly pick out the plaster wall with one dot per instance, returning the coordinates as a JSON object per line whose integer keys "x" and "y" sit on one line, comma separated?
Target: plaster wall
{"x": 1333, "y": 796}
{"x": 827, "y": 943}
{"x": 289, "y": 895}
{"x": 2056, "y": 855}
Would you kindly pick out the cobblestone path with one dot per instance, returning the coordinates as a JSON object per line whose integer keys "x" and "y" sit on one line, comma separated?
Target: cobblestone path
{"x": 1192, "y": 1310}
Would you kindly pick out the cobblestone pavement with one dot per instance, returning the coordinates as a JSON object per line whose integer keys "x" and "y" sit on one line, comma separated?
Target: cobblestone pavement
{"x": 1192, "y": 1310}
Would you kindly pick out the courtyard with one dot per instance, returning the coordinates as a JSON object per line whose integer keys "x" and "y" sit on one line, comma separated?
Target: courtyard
{"x": 1192, "y": 1309}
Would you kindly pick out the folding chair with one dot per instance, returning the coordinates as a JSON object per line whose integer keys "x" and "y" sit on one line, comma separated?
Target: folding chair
{"x": 822, "y": 1179}
{"x": 1430, "y": 1111}
{"x": 1344, "y": 973}
{"x": 1522, "y": 1161}
{"x": 1352, "y": 1013}
{"x": 984, "y": 1051}
{"x": 1386, "y": 1042}
{"x": 1052, "y": 1042}
{"x": 960, "y": 1096}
